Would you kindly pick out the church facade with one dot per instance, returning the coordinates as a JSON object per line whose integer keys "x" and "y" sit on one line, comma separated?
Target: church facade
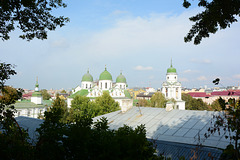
{"x": 117, "y": 90}
{"x": 172, "y": 89}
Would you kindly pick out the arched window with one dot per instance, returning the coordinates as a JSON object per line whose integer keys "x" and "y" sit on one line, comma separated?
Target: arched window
{"x": 86, "y": 85}
{"x": 106, "y": 85}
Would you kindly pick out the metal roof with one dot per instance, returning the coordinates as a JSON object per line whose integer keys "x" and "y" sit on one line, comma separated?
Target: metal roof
{"x": 30, "y": 124}
{"x": 186, "y": 127}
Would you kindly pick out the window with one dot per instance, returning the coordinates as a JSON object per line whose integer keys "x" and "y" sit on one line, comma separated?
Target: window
{"x": 90, "y": 86}
{"x": 175, "y": 77}
{"x": 86, "y": 85}
{"x": 106, "y": 85}
{"x": 101, "y": 85}
{"x": 167, "y": 77}
{"x": 120, "y": 86}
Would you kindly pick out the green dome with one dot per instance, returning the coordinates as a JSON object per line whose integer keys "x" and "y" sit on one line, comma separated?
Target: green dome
{"x": 37, "y": 85}
{"x": 36, "y": 94}
{"x": 105, "y": 75}
{"x": 121, "y": 79}
{"x": 87, "y": 77}
{"x": 171, "y": 69}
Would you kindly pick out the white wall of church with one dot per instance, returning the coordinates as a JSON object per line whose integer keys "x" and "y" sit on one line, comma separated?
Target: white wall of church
{"x": 87, "y": 85}
{"x": 105, "y": 84}
{"x": 30, "y": 112}
{"x": 171, "y": 77}
{"x": 69, "y": 100}
{"x": 121, "y": 85}
{"x": 37, "y": 100}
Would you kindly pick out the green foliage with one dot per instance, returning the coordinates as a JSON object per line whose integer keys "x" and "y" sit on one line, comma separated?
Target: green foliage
{"x": 81, "y": 106}
{"x": 32, "y": 17}
{"x": 106, "y": 104}
{"x": 63, "y": 91}
{"x": 87, "y": 140}
{"x": 144, "y": 103}
{"x": 216, "y": 105}
{"x": 10, "y": 95}
{"x": 194, "y": 104}
{"x": 229, "y": 121}
{"x": 217, "y": 14}
{"x": 13, "y": 139}
{"x": 45, "y": 94}
{"x": 158, "y": 100}
{"x": 61, "y": 106}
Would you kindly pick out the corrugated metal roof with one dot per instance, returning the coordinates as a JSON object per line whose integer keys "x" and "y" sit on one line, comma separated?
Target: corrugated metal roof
{"x": 30, "y": 124}
{"x": 177, "y": 126}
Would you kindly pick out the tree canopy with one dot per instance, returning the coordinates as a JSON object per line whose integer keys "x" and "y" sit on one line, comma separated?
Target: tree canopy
{"x": 32, "y": 17}
{"x": 193, "y": 103}
{"x": 217, "y": 14}
{"x": 82, "y": 106}
{"x": 45, "y": 94}
{"x": 158, "y": 100}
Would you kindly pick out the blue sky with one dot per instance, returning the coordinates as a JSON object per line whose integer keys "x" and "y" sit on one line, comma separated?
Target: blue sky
{"x": 138, "y": 37}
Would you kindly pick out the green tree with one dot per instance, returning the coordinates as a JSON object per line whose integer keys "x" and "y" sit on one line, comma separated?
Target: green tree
{"x": 13, "y": 139}
{"x": 216, "y": 105}
{"x": 217, "y": 14}
{"x": 81, "y": 106}
{"x": 228, "y": 122}
{"x": 51, "y": 135}
{"x": 45, "y": 94}
{"x": 106, "y": 104}
{"x": 63, "y": 91}
{"x": 193, "y": 103}
{"x": 32, "y": 17}
{"x": 87, "y": 140}
{"x": 10, "y": 95}
{"x": 143, "y": 103}
{"x": 158, "y": 100}
{"x": 60, "y": 105}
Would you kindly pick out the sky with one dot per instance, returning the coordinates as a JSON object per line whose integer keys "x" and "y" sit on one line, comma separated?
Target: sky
{"x": 137, "y": 37}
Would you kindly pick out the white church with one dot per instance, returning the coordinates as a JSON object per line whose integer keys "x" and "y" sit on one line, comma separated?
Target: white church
{"x": 92, "y": 89}
{"x": 172, "y": 89}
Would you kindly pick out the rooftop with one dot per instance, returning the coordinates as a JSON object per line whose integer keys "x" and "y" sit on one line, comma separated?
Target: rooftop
{"x": 180, "y": 127}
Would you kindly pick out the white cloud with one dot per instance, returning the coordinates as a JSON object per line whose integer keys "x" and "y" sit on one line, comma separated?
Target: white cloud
{"x": 202, "y": 78}
{"x": 151, "y": 77}
{"x": 141, "y": 68}
{"x": 60, "y": 43}
{"x": 119, "y": 12}
{"x": 189, "y": 71}
{"x": 237, "y": 76}
{"x": 202, "y": 61}
{"x": 183, "y": 79}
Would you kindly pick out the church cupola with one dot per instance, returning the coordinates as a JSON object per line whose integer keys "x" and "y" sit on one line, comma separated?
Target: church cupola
{"x": 105, "y": 80}
{"x": 171, "y": 74}
{"x": 87, "y": 81}
{"x": 121, "y": 81}
{"x": 36, "y": 95}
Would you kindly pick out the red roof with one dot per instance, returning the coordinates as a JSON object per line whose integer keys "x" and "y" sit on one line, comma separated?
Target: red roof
{"x": 199, "y": 94}
{"x": 27, "y": 95}
{"x": 226, "y": 93}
